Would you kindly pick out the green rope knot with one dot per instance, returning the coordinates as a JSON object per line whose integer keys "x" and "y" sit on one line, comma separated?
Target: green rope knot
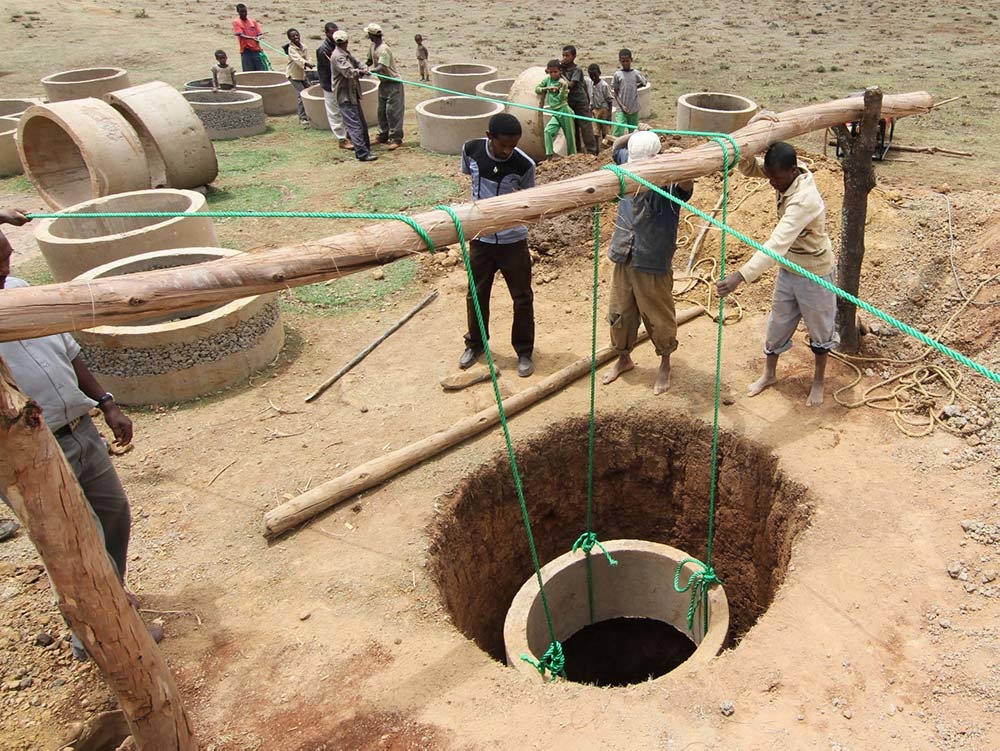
{"x": 586, "y": 543}
{"x": 699, "y": 583}
{"x": 552, "y": 661}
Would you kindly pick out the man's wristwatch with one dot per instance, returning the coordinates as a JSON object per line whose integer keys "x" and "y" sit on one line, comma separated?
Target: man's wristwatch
{"x": 104, "y": 398}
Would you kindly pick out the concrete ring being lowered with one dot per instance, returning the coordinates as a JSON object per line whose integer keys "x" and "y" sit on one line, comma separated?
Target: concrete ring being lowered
{"x": 447, "y": 122}
{"x": 178, "y": 150}
{"x": 84, "y": 82}
{"x": 158, "y": 361}
{"x": 78, "y": 150}
{"x": 228, "y": 114}
{"x": 74, "y": 245}
{"x": 640, "y": 586}
{"x": 280, "y": 97}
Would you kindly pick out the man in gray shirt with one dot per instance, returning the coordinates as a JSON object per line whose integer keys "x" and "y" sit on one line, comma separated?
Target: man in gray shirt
{"x": 51, "y": 371}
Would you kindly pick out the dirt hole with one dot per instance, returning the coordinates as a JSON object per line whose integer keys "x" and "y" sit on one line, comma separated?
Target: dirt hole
{"x": 651, "y": 481}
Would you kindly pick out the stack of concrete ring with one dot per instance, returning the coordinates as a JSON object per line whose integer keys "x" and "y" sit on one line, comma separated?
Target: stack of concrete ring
{"x": 101, "y": 145}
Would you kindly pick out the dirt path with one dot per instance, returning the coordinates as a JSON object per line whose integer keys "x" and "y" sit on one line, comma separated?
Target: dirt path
{"x": 883, "y": 632}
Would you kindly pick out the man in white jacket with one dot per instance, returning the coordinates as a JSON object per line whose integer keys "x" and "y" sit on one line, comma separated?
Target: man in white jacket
{"x": 801, "y": 237}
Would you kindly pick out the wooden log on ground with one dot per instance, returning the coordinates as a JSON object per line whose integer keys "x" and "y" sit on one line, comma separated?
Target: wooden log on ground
{"x": 35, "y": 311}
{"x": 303, "y": 507}
{"x": 45, "y": 495}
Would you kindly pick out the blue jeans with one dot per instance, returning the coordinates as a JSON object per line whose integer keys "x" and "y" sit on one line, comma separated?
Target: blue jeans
{"x": 251, "y": 60}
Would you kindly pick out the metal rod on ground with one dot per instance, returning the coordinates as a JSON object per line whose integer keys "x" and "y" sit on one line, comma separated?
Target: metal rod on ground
{"x": 367, "y": 350}
{"x": 924, "y": 150}
{"x": 69, "y": 306}
{"x": 307, "y": 505}
{"x": 703, "y": 234}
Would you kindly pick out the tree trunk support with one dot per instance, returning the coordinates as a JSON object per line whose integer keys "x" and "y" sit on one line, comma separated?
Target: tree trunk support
{"x": 35, "y": 311}
{"x": 859, "y": 179}
{"x": 45, "y": 495}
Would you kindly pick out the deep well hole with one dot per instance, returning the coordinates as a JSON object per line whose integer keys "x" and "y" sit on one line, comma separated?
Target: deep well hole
{"x": 72, "y": 228}
{"x": 651, "y": 481}
{"x": 56, "y": 162}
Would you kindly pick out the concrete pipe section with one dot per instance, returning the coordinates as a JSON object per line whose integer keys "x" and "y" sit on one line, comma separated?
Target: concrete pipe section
{"x": 15, "y": 107}
{"x": 228, "y": 114}
{"x": 74, "y": 245}
{"x": 277, "y": 91}
{"x": 178, "y": 150}
{"x": 645, "y": 98}
{"x": 498, "y": 88}
{"x": 315, "y": 104}
{"x": 78, "y": 150}
{"x": 198, "y": 84}
{"x": 713, "y": 112}
{"x": 369, "y": 100}
{"x": 10, "y": 160}
{"x": 448, "y": 122}
{"x": 84, "y": 82}
{"x": 175, "y": 359}
{"x": 522, "y": 91}
{"x": 640, "y": 621}
{"x": 463, "y": 77}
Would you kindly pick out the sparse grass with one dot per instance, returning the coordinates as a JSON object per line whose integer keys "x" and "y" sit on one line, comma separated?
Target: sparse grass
{"x": 17, "y": 184}
{"x": 34, "y": 271}
{"x": 404, "y": 193}
{"x": 350, "y": 293}
{"x": 248, "y": 197}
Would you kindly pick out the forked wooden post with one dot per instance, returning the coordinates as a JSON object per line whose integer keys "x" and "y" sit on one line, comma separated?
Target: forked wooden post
{"x": 45, "y": 495}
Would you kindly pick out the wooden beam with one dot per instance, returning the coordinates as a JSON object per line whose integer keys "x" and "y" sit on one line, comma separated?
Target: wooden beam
{"x": 35, "y": 311}
{"x": 303, "y": 507}
{"x": 45, "y": 495}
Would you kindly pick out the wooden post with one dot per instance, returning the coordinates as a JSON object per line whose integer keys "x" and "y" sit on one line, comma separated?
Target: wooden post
{"x": 45, "y": 495}
{"x": 35, "y": 311}
{"x": 859, "y": 179}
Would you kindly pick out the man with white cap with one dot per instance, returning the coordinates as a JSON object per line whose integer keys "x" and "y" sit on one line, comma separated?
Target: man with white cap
{"x": 345, "y": 71}
{"x": 391, "y": 103}
{"x": 642, "y": 249}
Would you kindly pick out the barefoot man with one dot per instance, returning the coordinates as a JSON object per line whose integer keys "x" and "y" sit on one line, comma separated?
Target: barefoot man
{"x": 642, "y": 280}
{"x": 801, "y": 237}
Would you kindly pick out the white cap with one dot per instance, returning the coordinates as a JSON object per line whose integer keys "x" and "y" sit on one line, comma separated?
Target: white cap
{"x": 340, "y": 35}
{"x": 643, "y": 145}
{"x": 373, "y": 28}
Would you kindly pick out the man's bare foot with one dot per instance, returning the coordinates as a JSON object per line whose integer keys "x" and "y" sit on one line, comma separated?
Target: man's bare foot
{"x": 815, "y": 395}
{"x": 760, "y": 384}
{"x": 662, "y": 377}
{"x": 622, "y": 365}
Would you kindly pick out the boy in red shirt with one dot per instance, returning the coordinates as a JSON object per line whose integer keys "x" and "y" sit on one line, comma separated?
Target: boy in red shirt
{"x": 248, "y": 31}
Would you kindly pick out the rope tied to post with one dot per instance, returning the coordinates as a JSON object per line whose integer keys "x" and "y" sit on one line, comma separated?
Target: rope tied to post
{"x": 552, "y": 662}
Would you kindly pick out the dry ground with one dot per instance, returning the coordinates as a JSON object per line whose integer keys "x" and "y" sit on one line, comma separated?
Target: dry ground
{"x": 884, "y": 631}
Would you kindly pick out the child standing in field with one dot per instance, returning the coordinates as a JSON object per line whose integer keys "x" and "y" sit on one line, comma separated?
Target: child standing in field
{"x": 425, "y": 74}
{"x": 625, "y": 89}
{"x": 223, "y": 74}
{"x": 555, "y": 89}
{"x": 600, "y": 102}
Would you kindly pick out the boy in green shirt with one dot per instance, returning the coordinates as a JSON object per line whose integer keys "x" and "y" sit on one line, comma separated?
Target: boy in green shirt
{"x": 556, "y": 91}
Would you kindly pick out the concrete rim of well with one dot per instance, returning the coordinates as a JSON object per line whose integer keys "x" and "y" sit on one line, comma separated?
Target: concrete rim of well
{"x": 65, "y": 77}
{"x": 425, "y": 108}
{"x": 570, "y": 610}
{"x": 690, "y": 100}
{"x": 233, "y": 96}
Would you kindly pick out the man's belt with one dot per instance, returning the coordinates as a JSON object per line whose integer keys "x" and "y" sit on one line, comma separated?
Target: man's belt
{"x": 68, "y": 428}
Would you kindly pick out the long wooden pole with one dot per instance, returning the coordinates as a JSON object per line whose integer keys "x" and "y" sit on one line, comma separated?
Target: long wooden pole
{"x": 45, "y": 495}
{"x": 35, "y": 311}
{"x": 368, "y": 350}
{"x": 292, "y": 513}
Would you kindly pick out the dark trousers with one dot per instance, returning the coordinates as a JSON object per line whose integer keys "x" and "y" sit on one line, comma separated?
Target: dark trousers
{"x": 390, "y": 112}
{"x": 299, "y": 87}
{"x": 585, "y": 141}
{"x": 514, "y": 262}
{"x": 251, "y": 60}
{"x": 357, "y": 128}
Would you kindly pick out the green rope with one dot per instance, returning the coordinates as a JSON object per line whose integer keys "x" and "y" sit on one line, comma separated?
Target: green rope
{"x": 552, "y": 661}
{"x": 792, "y": 266}
{"x": 699, "y": 583}
{"x": 410, "y": 221}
